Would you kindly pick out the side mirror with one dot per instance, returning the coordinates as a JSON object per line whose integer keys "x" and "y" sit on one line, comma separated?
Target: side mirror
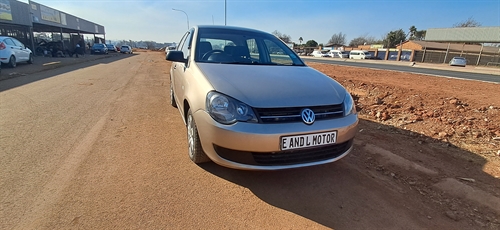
{"x": 176, "y": 56}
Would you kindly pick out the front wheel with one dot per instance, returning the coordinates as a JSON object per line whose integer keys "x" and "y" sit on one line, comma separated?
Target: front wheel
{"x": 12, "y": 62}
{"x": 172, "y": 96}
{"x": 196, "y": 153}
{"x": 30, "y": 60}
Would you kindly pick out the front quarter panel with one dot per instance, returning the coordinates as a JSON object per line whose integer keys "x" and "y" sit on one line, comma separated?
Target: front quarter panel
{"x": 190, "y": 87}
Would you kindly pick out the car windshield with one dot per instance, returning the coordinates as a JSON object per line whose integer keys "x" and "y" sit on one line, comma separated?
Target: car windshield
{"x": 98, "y": 45}
{"x": 242, "y": 47}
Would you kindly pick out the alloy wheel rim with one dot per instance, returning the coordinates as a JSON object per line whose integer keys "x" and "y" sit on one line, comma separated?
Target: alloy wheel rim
{"x": 190, "y": 136}
{"x": 171, "y": 94}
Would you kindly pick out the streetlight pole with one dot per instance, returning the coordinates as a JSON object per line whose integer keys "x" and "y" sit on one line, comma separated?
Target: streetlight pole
{"x": 185, "y": 14}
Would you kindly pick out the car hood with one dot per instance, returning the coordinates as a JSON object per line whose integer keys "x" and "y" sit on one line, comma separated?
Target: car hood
{"x": 265, "y": 86}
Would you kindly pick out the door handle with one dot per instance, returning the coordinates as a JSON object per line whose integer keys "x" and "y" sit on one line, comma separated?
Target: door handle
{"x": 175, "y": 66}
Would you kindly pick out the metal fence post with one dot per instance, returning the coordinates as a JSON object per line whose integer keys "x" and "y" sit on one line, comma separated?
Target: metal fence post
{"x": 480, "y": 52}
{"x": 446, "y": 55}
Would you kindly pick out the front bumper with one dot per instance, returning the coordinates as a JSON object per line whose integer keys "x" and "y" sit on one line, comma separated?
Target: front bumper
{"x": 253, "y": 146}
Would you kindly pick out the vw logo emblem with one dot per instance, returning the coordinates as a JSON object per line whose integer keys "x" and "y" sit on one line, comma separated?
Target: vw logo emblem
{"x": 308, "y": 116}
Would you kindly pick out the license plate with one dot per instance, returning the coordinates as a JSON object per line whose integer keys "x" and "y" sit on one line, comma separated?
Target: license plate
{"x": 308, "y": 140}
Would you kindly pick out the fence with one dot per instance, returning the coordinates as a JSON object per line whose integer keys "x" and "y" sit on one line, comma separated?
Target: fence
{"x": 436, "y": 56}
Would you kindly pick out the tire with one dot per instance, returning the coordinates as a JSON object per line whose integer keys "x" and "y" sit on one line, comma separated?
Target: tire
{"x": 30, "y": 60}
{"x": 195, "y": 150}
{"x": 172, "y": 96}
{"x": 12, "y": 61}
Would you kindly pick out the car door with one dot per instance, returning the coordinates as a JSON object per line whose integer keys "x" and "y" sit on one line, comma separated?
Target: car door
{"x": 12, "y": 48}
{"x": 23, "y": 53}
{"x": 178, "y": 69}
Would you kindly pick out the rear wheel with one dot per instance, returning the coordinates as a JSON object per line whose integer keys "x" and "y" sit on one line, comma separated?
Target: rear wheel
{"x": 196, "y": 153}
{"x": 12, "y": 62}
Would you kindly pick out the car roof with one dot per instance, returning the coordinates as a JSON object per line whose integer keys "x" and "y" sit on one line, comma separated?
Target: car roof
{"x": 228, "y": 28}
{"x": 4, "y": 37}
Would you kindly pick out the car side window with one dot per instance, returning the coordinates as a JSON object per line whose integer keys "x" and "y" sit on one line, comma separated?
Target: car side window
{"x": 277, "y": 54}
{"x": 254, "y": 49}
{"x": 187, "y": 45}
{"x": 18, "y": 43}
{"x": 181, "y": 43}
{"x": 9, "y": 42}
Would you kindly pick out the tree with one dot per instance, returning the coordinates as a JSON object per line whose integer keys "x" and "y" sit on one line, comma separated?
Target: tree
{"x": 420, "y": 35}
{"x": 393, "y": 38}
{"x": 415, "y": 34}
{"x": 362, "y": 41}
{"x": 283, "y": 37}
{"x": 311, "y": 43}
{"x": 470, "y": 22}
{"x": 338, "y": 39}
{"x": 300, "y": 40}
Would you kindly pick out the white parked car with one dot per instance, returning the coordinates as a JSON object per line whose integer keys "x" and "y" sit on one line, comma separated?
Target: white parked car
{"x": 320, "y": 53}
{"x": 458, "y": 61}
{"x": 360, "y": 54}
{"x": 13, "y": 51}
{"x": 337, "y": 54}
{"x": 126, "y": 49}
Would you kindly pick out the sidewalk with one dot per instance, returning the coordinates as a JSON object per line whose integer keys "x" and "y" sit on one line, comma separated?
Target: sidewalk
{"x": 469, "y": 68}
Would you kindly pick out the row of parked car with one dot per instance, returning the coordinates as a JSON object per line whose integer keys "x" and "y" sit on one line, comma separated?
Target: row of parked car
{"x": 354, "y": 54}
{"x": 98, "y": 48}
{"x": 12, "y": 51}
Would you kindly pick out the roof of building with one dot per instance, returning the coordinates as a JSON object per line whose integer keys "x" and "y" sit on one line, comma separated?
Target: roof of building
{"x": 454, "y": 46}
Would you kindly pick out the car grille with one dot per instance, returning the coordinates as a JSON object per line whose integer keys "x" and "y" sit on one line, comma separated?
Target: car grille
{"x": 288, "y": 157}
{"x": 281, "y": 115}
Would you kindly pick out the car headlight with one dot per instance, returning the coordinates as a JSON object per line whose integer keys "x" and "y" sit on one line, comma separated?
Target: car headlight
{"x": 349, "y": 107}
{"x": 227, "y": 110}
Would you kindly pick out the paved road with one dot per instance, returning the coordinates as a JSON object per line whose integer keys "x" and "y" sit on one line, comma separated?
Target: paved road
{"x": 96, "y": 146}
{"x": 489, "y": 75}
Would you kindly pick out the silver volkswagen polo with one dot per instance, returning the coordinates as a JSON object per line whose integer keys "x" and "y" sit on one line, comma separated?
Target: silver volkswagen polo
{"x": 249, "y": 102}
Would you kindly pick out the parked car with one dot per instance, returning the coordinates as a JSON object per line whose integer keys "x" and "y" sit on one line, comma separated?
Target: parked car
{"x": 169, "y": 48}
{"x": 345, "y": 54}
{"x": 111, "y": 48}
{"x": 320, "y": 53}
{"x": 12, "y": 51}
{"x": 246, "y": 108}
{"x": 458, "y": 61}
{"x": 99, "y": 48}
{"x": 126, "y": 49}
{"x": 337, "y": 54}
{"x": 360, "y": 54}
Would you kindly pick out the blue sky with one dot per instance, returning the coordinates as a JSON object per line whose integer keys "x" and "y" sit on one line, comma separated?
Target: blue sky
{"x": 154, "y": 20}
